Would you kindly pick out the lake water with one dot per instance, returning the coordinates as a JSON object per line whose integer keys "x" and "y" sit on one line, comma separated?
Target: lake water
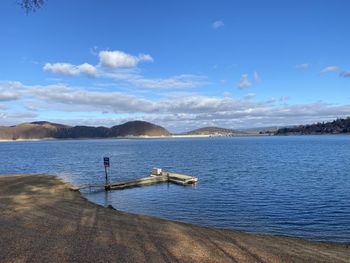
{"x": 296, "y": 186}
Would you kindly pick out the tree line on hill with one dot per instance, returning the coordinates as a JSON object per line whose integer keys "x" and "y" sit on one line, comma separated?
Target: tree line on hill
{"x": 337, "y": 126}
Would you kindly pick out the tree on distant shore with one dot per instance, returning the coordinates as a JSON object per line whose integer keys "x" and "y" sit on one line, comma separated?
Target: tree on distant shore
{"x": 31, "y": 5}
{"x": 334, "y": 127}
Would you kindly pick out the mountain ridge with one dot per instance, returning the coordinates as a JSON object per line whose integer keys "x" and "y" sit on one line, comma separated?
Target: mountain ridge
{"x": 47, "y": 130}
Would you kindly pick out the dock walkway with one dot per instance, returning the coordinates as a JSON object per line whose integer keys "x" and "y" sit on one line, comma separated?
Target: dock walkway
{"x": 156, "y": 176}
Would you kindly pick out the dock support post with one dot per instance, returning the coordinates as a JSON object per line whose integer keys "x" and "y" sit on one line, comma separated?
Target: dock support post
{"x": 107, "y": 185}
{"x": 106, "y": 165}
{"x": 106, "y": 175}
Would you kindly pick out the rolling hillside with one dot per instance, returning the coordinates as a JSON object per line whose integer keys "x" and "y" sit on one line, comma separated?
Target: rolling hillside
{"x": 45, "y": 130}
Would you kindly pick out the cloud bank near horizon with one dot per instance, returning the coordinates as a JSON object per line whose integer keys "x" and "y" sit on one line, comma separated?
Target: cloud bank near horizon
{"x": 176, "y": 112}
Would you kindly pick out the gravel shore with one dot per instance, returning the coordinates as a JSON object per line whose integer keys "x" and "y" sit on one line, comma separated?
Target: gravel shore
{"x": 42, "y": 220}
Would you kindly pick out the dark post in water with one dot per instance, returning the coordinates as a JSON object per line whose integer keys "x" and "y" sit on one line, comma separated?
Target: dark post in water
{"x": 106, "y": 165}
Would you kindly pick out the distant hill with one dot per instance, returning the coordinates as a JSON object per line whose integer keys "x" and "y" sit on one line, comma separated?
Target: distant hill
{"x": 337, "y": 126}
{"x": 47, "y": 124}
{"x": 139, "y": 128}
{"x": 214, "y": 131}
{"x": 44, "y": 130}
{"x": 262, "y": 130}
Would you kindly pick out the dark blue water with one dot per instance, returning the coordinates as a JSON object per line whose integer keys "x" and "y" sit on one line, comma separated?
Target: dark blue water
{"x": 295, "y": 186}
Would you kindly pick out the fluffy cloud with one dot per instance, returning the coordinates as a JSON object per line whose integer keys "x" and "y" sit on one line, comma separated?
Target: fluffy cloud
{"x": 120, "y": 66}
{"x": 244, "y": 82}
{"x": 20, "y": 115}
{"x": 256, "y": 77}
{"x": 181, "y": 111}
{"x": 120, "y": 59}
{"x": 176, "y": 82}
{"x": 302, "y": 66}
{"x": 249, "y": 96}
{"x": 180, "y": 81}
{"x": 8, "y": 96}
{"x": 109, "y": 59}
{"x": 217, "y": 24}
{"x": 87, "y": 69}
{"x": 329, "y": 69}
{"x": 30, "y": 106}
{"x": 70, "y": 69}
{"x": 84, "y": 100}
{"x": 9, "y": 90}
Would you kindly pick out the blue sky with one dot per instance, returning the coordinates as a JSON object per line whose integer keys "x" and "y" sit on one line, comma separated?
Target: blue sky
{"x": 181, "y": 64}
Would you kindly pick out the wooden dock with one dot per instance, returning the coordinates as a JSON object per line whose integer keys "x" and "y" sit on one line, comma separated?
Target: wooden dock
{"x": 156, "y": 176}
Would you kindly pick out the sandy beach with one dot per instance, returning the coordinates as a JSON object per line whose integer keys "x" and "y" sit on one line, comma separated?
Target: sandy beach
{"x": 42, "y": 220}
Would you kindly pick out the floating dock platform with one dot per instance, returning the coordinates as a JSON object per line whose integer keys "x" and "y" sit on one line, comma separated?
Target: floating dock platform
{"x": 156, "y": 176}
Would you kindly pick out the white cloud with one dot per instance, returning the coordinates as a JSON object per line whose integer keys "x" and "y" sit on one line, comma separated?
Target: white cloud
{"x": 256, "y": 77}
{"x": 78, "y": 99}
{"x": 176, "y": 82}
{"x": 345, "y": 74}
{"x": 122, "y": 67}
{"x": 145, "y": 57}
{"x": 9, "y": 90}
{"x": 244, "y": 82}
{"x": 302, "y": 66}
{"x": 87, "y": 69}
{"x": 20, "y": 115}
{"x": 249, "y": 96}
{"x": 30, "y": 106}
{"x": 8, "y": 96}
{"x": 180, "y": 81}
{"x": 329, "y": 69}
{"x": 182, "y": 111}
{"x": 120, "y": 59}
{"x": 70, "y": 69}
{"x": 217, "y": 24}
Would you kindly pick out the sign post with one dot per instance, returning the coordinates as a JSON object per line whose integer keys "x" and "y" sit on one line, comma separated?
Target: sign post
{"x": 106, "y": 165}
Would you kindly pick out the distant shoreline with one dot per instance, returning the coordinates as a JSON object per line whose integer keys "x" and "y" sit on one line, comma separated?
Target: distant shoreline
{"x": 175, "y": 137}
{"x": 40, "y": 213}
{"x": 138, "y": 137}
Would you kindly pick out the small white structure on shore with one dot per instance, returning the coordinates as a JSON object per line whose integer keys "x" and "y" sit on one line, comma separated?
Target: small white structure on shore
{"x": 156, "y": 171}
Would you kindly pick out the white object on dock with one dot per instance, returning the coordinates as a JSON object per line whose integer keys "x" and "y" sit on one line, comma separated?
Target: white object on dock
{"x": 156, "y": 171}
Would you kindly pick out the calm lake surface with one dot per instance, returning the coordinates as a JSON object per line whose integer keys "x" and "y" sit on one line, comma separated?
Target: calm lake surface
{"x": 296, "y": 186}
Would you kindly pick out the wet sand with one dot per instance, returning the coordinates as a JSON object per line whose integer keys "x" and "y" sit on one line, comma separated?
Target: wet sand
{"x": 42, "y": 220}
